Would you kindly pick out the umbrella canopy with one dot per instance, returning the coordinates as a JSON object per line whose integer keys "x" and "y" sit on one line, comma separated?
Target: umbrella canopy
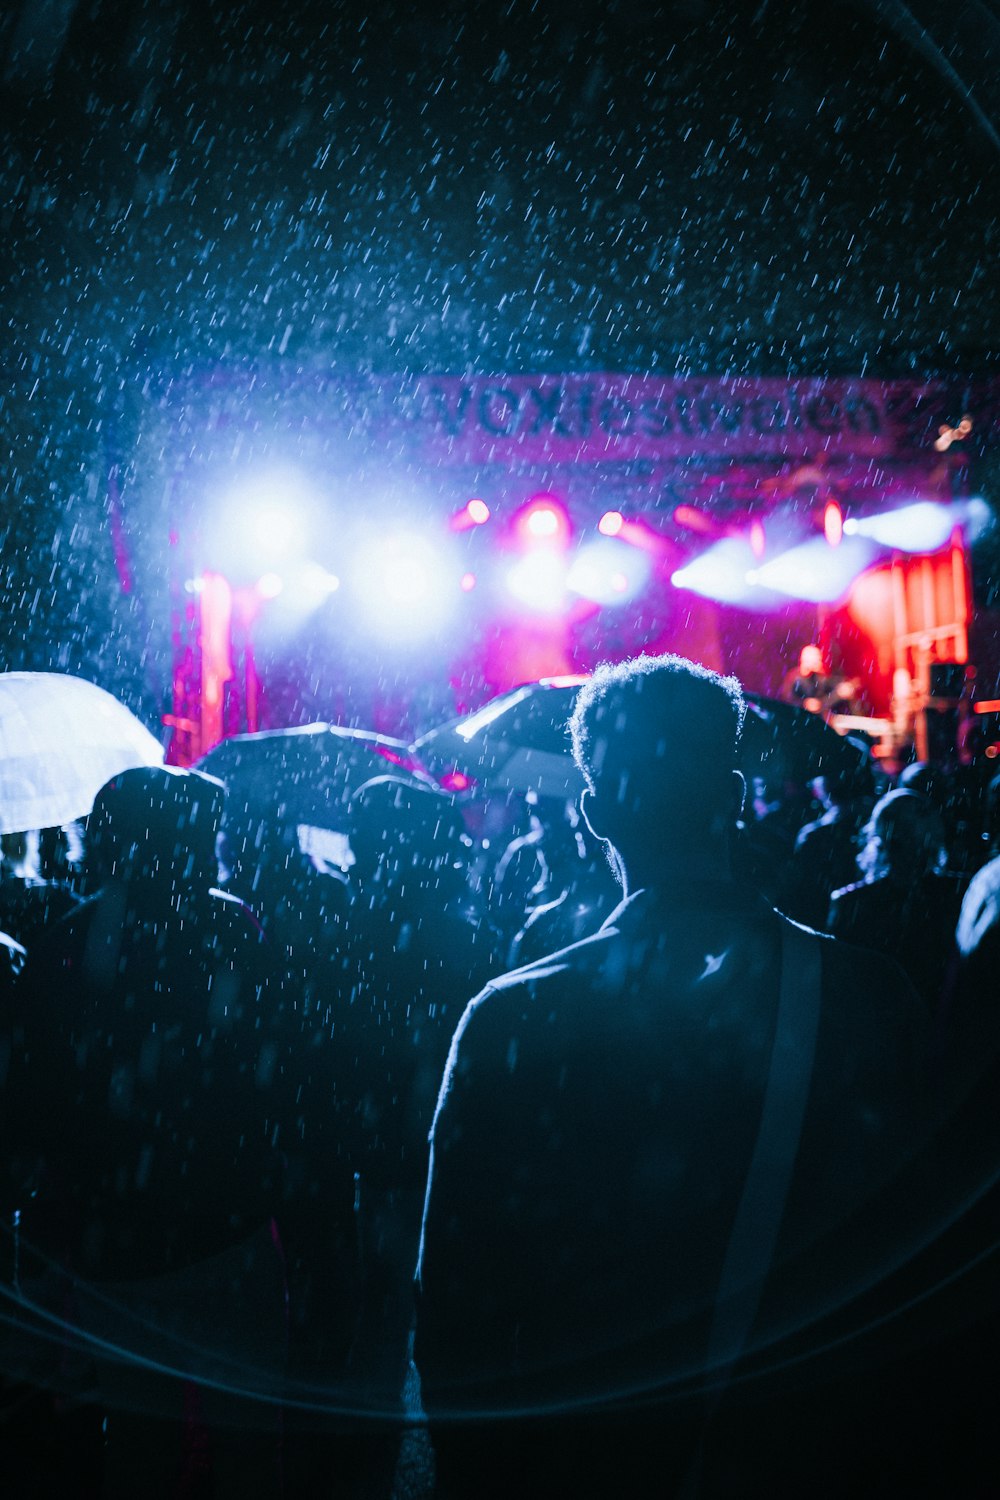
{"x": 305, "y": 775}
{"x": 61, "y": 739}
{"x": 519, "y": 742}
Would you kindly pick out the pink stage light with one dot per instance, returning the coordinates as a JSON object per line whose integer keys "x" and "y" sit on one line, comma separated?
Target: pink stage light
{"x": 611, "y": 523}
{"x": 758, "y": 541}
{"x": 474, "y": 513}
{"x": 467, "y": 582}
{"x": 833, "y": 523}
{"x": 542, "y": 522}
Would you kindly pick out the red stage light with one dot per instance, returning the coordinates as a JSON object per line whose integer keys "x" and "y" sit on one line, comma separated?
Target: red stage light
{"x": 479, "y": 512}
{"x": 758, "y": 541}
{"x": 696, "y": 520}
{"x": 833, "y": 523}
{"x": 611, "y": 523}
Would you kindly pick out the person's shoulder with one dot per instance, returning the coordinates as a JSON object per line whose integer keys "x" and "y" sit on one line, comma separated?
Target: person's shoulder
{"x": 514, "y": 1001}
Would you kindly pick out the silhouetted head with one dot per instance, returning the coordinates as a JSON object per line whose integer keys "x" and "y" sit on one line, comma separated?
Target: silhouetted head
{"x": 402, "y": 830}
{"x": 846, "y": 781}
{"x": 932, "y": 783}
{"x": 656, "y": 741}
{"x": 156, "y": 823}
{"x": 904, "y": 836}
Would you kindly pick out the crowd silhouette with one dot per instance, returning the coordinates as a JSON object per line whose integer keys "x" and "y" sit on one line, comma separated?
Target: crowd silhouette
{"x": 699, "y": 1066}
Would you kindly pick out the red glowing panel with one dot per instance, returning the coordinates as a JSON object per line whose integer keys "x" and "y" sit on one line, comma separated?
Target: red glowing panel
{"x": 479, "y": 512}
{"x": 611, "y": 523}
{"x": 833, "y": 523}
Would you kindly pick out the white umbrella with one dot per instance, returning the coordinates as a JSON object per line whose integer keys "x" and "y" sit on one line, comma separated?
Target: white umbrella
{"x": 61, "y": 739}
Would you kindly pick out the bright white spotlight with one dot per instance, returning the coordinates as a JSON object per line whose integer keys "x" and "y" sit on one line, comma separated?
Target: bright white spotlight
{"x": 405, "y": 587}
{"x": 262, "y": 522}
{"x": 315, "y": 583}
{"x": 543, "y": 522}
{"x": 276, "y": 531}
{"x": 270, "y": 585}
{"x": 921, "y": 527}
{"x": 816, "y": 572}
{"x": 978, "y": 517}
{"x": 406, "y": 580}
{"x": 720, "y": 573}
{"x": 609, "y": 572}
{"x": 539, "y": 580}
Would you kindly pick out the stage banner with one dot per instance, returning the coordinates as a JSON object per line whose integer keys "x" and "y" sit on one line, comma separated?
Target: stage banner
{"x": 579, "y": 419}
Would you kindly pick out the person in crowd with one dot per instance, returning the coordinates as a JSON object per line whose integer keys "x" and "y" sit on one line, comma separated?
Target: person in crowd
{"x": 577, "y": 891}
{"x": 972, "y": 999}
{"x": 812, "y": 687}
{"x": 825, "y": 853}
{"x": 907, "y": 903}
{"x": 418, "y": 939}
{"x": 300, "y": 903}
{"x": 35, "y": 890}
{"x": 154, "y": 1108}
{"x": 648, "y": 1145}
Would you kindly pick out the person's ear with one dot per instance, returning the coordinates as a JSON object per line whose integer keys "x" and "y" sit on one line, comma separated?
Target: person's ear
{"x": 590, "y": 811}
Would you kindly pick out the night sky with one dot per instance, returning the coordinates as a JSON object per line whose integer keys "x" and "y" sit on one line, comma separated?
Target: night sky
{"x": 690, "y": 188}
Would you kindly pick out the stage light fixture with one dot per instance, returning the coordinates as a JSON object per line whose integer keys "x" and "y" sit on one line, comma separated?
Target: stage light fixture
{"x": 611, "y": 523}
{"x": 542, "y": 522}
{"x": 270, "y": 585}
{"x": 833, "y": 523}
{"x": 474, "y": 513}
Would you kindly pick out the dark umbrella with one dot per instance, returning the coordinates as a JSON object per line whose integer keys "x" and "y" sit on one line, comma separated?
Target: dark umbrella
{"x": 304, "y": 776}
{"x": 519, "y": 742}
{"x": 784, "y": 743}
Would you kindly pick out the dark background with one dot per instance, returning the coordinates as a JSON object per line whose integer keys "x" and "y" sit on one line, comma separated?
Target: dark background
{"x": 770, "y": 188}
